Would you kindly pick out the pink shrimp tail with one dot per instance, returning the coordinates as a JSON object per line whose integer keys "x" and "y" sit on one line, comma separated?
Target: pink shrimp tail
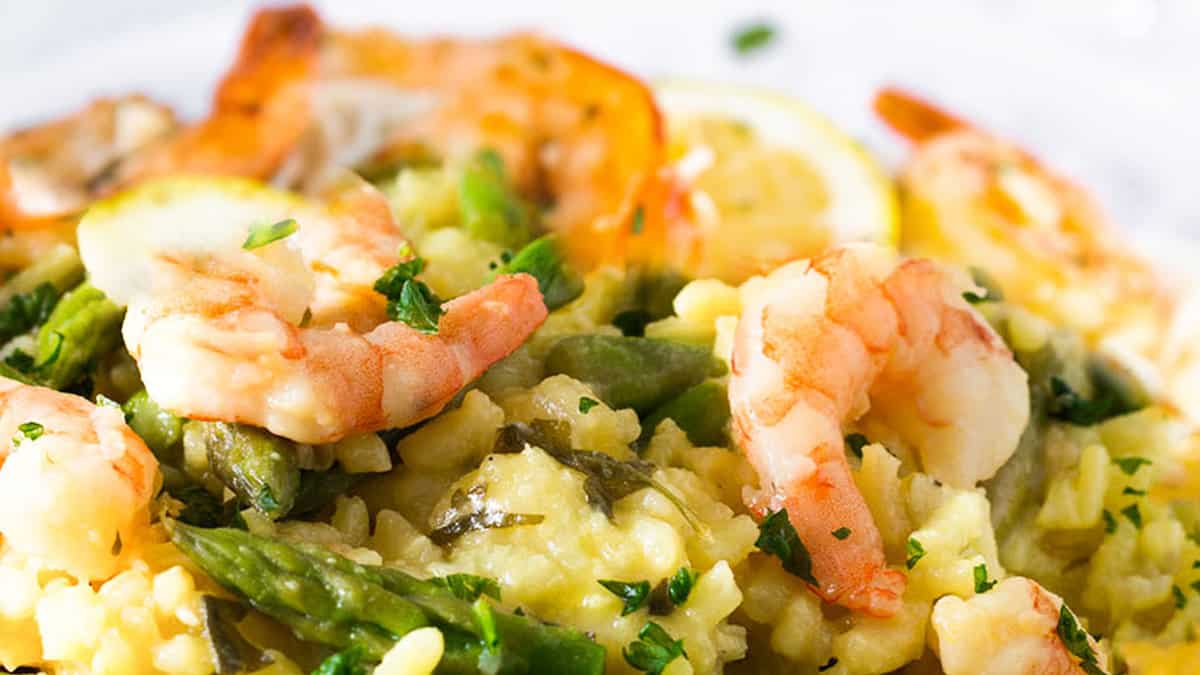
{"x": 487, "y": 325}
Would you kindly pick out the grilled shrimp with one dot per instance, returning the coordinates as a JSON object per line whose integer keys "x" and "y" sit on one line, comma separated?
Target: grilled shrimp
{"x": 1012, "y": 629}
{"x": 288, "y": 336}
{"x": 823, "y": 342}
{"x": 975, "y": 199}
{"x": 76, "y": 481}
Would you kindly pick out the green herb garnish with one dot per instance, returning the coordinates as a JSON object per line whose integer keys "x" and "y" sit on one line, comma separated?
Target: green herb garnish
{"x": 915, "y": 552}
{"x": 1075, "y": 639}
{"x": 586, "y": 403}
{"x": 469, "y": 587}
{"x": 1130, "y": 465}
{"x": 470, "y": 512}
{"x": 653, "y": 650}
{"x": 1110, "y": 523}
{"x": 27, "y": 311}
{"x": 410, "y": 300}
{"x": 777, "y": 537}
{"x": 753, "y": 37}
{"x": 841, "y": 533}
{"x": 639, "y": 220}
{"x": 982, "y": 585}
{"x": 28, "y": 431}
{"x": 1067, "y": 405}
{"x": 856, "y": 443}
{"x": 1133, "y": 491}
{"x": 680, "y": 585}
{"x": 1180, "y": 598}
{"x": 345, "y": 662}
{"x": 1133, "y": 514}
{"x": 261, "y": 235}
{"x": 632, "y": 593}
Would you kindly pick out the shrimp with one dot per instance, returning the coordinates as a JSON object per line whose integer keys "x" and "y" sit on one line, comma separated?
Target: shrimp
{"x": 823, "y": 342}
{"x": 77, "y": 482}
{"x": 289, "y": 336}
{"x": 1009, "y": 630}
{"x": 974, "y": 199}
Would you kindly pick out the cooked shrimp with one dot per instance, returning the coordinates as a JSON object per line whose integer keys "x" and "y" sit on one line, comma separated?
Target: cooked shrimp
{"x": 975, "y": 199}
{"x": 1010, "y": 630}
{"x": 823, "y": 342}
{"x": 288, "y": 336}
{"x": 76, "y": 481}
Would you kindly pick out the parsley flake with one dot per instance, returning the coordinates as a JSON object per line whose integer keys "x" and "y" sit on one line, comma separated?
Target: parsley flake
{"x": 1110, "y": 523}
{"x": 410, "y": 300}
{"x": 777, "y": 537}
{"x": 347, "y": 662}
{"x": 1067, "y": 405}
{"x": 1075, "y": 639}
{"x": 856, "y": 443}
{"x": 915, "y": 552}
{"x": 680, "y": 585}
{"x": 587, "y": 403}
{"x": 263, "y": 234}
{"x": 1180, "y": 598}
{"x": 1130, "y": 465}
{"x": 1195, "y": 586}
{"x": 982, "y": 585}
{"x": 1133, "y": 491}
{"x": 469, "y": 587}
{"x": 841, "y": 533}
{"x": 28, "y": 431}
{"x": 1133, "y": 514}
{"x": 632, "y": 593}
{"x": 653, "y": 650}
{"x": 639, "y": 220}
{"x": 752, "y": 37}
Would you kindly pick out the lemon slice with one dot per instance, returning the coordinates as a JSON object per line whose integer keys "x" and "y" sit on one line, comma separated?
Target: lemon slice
{"x": 769, "y": 180}
{"x": 120, "y": 236}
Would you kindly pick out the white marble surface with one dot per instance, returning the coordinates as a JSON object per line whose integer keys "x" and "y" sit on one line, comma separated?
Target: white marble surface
{"x": 1108, "y": 90}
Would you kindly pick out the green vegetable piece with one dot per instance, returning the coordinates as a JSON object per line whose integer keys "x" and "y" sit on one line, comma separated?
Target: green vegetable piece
{"x": 260, "y": 468}
{"x": 632, "y": 593}
{"x": 1133, "y": 514}
{"x": 1133, "y": 491}
{"x": 234, "y": 654}
{"x": 468, "y": 586}
{"x": 856, "y": 443}
{"x": 982, "y": 585}
{"x": 1180, "y": 598}
{"x": 318, "y": 489}
{"x": 26, "y": 311}
{"x": 702, "y": 412}
{"x": 28, "y": 431}
{"x": 777, "y": 537}
{"x": 543, "y": 260}
{"x": 330, "y": 600}
{"x": 1110, "y": 523}
{"x": 680, "y": 585}
{"x": 1120, "y": 385}
{"x": 841, "y": 533}
{"x": 267, "y": 233}
{"x": 470, "y": 512}
{"x": 345, "y": 662}
{"x": 490, "y": 209}
{"x": 161, "y": 430}
{"x": 1130, "y": 465}
{"x": 915, "y": 552}
{"x": 409, "y": 299}
{"x": 752, "y": 37}
{"x": 653, "y": 650}
{"x": 627, "y": 372}
{"x": 84, "y": 326}
{"x": 587, "y": 403}
{"x": 1075, "y": 639}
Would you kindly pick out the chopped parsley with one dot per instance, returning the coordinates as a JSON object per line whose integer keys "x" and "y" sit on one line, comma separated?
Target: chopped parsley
{"x": 915, "y": 552}
{"x": 346, "y": 662}
{"x": 982, "y": 585}
{"x": 1067, "y": 405}
{"x": 841, "y": 533}
{"x": 680, "y": 585}
{"x": 543, "y": 260}
{"x": 777, "y": 537}
{"x": 470, "y": 512}
{"x": 856, "y": 443}
{"x": 833, "y": 661}
{"x": 1130, "y": 465}
{"x": 632, "y": 593}
{"x": 1075, "y": 639}
{"x": 1195, "y": 586}
{"x": 26, "y": 311}
{"x": 28, "y": 431}
{"x": 1110, "y": 523}
{"x": 653, "y": 650}
{"x": 1133, "y": 514}
{"x": 639, "y": 220}
{"x": 1133, "y": 491}
{"x": 752, "y": 37}
{"x": 469, "y": 587}
{"x": 587, "y": 403}
{"x": 1180, "y": 598}
{"x": 410, "y": 300}
{"x": 266, "y": 233}
{"x": 1196, "y": 564}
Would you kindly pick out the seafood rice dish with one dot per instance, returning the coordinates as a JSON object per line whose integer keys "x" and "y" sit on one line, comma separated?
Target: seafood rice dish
{"x": 441, "y": 355}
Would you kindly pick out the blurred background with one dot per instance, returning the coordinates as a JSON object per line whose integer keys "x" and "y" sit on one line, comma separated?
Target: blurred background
{"x": 1106, "y": 90}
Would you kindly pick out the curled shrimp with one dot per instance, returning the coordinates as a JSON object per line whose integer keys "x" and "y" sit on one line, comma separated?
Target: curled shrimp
{"x": 1011, "y": 629}
{"x": 288, "y": 336}
{"x": 975, "y": 199}
{"x": 77, "y": 482}
{"x": 822, "y": 343}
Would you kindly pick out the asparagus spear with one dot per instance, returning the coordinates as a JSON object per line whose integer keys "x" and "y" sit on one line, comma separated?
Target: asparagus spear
{"x": 329, "y": 599}
{"x": 543, "y": 260}
{"x": 84, "y": 326}
{"x": 161, "y": 430}
{"x": 490, "y": 209}
{"x": 260, "y": 468}
{"x": 631, "y": 372}
{"x": 702, "y": 412}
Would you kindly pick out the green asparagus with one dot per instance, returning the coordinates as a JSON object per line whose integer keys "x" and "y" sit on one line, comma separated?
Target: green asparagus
{"x": 631, "y": 372}
{"x": 701, "y": 411}
{"x": 543, "y": 260}
{"x": 260, "y": 468}
{"x": 331, "y": 600}
{"x": 490, "y": 209}
{"x": 161, "y": 430}
{"x": 319, "y": 488}
{"x": 84, "y": 326}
